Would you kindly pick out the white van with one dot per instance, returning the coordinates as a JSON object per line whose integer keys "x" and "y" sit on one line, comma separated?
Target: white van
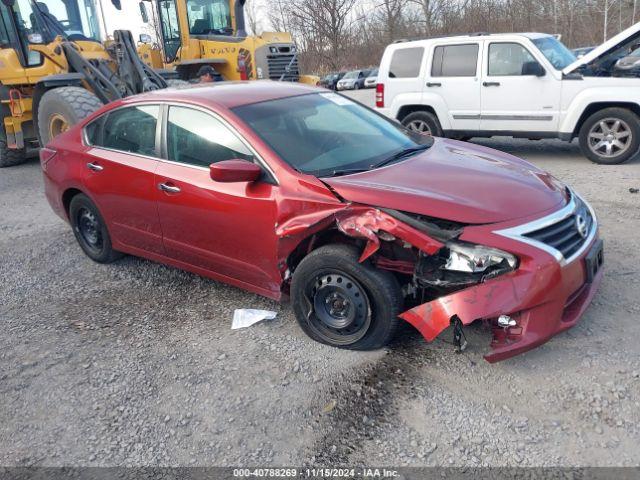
{"x": 522, "y": 85}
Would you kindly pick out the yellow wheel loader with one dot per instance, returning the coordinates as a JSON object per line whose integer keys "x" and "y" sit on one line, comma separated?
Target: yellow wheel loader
{"x": 54, "y": 70}
{"x": 193, "y": 33}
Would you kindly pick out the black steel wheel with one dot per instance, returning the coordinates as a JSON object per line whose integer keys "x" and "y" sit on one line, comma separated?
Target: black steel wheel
{"x": 342, "y": 302}
{"x": 90, "y": 230}
{"x": 341, "y": 308}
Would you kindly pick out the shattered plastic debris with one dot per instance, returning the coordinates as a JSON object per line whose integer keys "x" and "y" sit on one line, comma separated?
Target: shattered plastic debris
{"x": 245, "y": 317}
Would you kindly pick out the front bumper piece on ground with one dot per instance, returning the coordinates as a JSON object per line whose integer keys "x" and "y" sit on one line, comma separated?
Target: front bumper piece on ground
{"x": 546, "y": 295}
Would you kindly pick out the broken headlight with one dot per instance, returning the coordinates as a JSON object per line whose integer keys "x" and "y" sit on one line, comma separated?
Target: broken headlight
{"x": 466, "y": 257}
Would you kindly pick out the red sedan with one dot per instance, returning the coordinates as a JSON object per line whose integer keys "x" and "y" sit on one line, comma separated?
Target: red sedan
{"x": 287, "y": 190}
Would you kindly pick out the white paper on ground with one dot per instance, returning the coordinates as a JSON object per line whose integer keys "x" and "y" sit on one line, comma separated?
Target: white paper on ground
{"x": 245, "y": 317}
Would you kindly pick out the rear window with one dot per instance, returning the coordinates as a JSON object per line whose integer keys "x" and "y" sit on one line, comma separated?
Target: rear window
{"x": 405, "y": 62}
{"x": 455, "y": 61}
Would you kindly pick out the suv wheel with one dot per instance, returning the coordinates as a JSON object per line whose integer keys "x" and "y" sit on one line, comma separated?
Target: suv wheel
{"x": 425, "y": 123}
{"x": 344, "y": 303}
{"x": 610, "y": 136}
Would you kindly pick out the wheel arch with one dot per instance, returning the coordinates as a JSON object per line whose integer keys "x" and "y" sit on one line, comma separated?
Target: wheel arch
{"x": 594, "y": 107}
{"x": 67, "y": 196}
{"x": 409, "y": 109}
{"x": 316, "y": 240}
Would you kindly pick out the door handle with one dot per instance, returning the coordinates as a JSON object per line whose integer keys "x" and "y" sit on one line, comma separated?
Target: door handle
{"x": 165, "y": 187}
{"x": 434, "y": 84}
{"x": 95, "y": 167}
{"x": 490, "y": 84}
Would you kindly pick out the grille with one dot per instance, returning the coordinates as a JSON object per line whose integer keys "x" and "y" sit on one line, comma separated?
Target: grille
{"x": 569, "y": 234}
{"x": 282, "y": 64}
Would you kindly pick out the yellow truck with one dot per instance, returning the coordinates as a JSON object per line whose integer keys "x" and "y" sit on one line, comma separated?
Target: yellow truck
{"x": 193, "y": 33}
{"x": 55, "y": 70}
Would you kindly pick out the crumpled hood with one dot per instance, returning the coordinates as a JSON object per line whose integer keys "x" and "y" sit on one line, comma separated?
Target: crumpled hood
{"x": 456, "y": 181}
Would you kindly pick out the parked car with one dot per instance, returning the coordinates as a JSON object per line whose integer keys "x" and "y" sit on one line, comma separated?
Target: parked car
{"x": 629, "y": 65}
{"x": 370, "y": 81}
{"x": 582, "y": 51}
{"x": 472, "y": 86}
{"x": 330, "y": 81}
{"x": 353, "y": 80}
{"x": 290, "y": 190}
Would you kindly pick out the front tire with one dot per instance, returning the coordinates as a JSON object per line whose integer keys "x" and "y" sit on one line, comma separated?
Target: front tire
{"x": 425, "y": 123}
{"x": 341, "y": 302}
{"x": 90, "y": 230}
{"x": 61, "y": 108}
{"x": 610, "y": 136}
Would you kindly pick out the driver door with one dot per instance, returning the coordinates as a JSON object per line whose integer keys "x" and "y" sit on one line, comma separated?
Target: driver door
{"x": 227, "y": 229}
{"x": 511, "y": 99}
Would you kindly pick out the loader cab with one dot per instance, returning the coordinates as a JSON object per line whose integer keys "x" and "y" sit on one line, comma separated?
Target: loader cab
{"x": 24, "y": 23}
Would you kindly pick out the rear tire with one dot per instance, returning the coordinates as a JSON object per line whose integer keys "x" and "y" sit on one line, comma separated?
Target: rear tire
{"x": 423, "y": 122}
{"x": 9, "y": 156}
{"x": 63, "y": 107}
{"x": 176, "y": 83}
{"x": 91, "y": 231}
{"x": 341, "y": 302}
{"x": 610, "y": 136}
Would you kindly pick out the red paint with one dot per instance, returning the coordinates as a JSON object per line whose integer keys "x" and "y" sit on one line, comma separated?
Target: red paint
{"x": 242, "y": 232}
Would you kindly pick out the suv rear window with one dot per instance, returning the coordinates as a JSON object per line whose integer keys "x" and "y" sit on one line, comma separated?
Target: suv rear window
{"x": 405, "y": 62}
{"x": 455, "y": 61}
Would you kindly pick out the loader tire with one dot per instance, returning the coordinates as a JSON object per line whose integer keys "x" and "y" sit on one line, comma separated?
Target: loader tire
{"x": 175, "y": 83}
{"x": 63, "y": 107}
{"x": 9, "y": 156}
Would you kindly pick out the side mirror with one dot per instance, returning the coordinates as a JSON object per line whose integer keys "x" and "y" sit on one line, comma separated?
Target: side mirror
{"x": 145, "y": 38}
{"x": 235, "y": 170}
{"x": 117, "y": 4}
{"x": 143, "y": 12}
{"x": 533, "y": 68}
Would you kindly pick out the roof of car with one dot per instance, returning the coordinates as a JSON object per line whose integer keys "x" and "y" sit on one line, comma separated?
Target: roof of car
{"x": 474, "y": 37}
{"x": 229, "y": 94}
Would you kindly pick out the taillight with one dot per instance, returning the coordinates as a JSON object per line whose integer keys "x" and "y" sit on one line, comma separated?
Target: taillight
{"x": 46, "y": 154}
{"x": 380, "y": 95}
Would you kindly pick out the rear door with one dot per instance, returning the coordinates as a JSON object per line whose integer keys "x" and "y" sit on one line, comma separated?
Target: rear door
{"x": 120, "y": 164}
{"x": 453, "y": 77}
{"x": 226, "y": 228}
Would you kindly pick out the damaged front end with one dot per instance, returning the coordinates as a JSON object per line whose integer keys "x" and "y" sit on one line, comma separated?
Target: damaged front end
{"x": 449, "y": 278}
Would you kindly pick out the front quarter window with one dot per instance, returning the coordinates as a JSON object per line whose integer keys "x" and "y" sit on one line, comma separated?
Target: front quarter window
{"x": 555, "y": 52}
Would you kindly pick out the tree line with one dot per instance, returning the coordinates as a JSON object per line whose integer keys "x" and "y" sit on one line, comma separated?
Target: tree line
{"x": 342, "y": 34}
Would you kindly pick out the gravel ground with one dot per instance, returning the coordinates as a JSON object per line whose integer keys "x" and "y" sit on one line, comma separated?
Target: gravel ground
{"x": 135, "y": 363}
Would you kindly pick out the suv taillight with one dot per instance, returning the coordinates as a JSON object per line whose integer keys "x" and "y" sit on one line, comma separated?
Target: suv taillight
{"x": 380, "y": 95}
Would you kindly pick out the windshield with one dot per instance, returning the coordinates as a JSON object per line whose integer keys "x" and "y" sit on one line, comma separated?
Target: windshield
{"x": 76, "y": 19}
{"x": 558, "y": 55}
{"x": 325, "y": 134}
{"x": 209, "y": 17}
{"x": 353, "y": 74}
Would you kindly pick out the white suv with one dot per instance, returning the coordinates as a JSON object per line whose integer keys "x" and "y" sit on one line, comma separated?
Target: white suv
{"x": 522, "y": 85}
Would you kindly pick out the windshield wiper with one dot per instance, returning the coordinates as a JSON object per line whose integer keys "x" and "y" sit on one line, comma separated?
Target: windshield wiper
{"x": 347, "y": 171}
{"x": 398, "y": 155}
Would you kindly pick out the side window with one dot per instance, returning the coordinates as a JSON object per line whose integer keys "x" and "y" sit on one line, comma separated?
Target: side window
{"x": 455, "y": 61}
{"x": 405, "y": 62}
{"x": 197, "y": 138}
{"x": 93, "y": 131}
{"x": 130, "y": 129}
{"x": 508, "y": 59}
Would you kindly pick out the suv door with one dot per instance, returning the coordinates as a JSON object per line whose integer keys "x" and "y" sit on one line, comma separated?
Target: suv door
{"x": 224, "y": 228}
{"x": 121, "y": 159}
{"x": 513, "y": 97}
{"x": 404, "y": 75}
{"x": 452, "y": 76}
